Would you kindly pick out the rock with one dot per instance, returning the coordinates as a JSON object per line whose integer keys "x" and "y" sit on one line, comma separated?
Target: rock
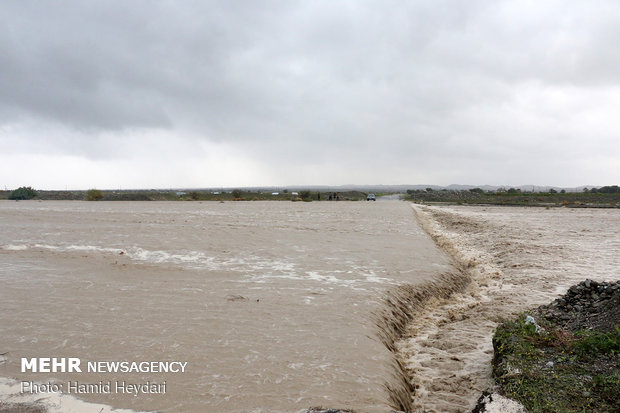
{"x": 589, "y": 305}
{"x": 531, "y": 320}
{"x": 493, "y": 402}
{"x": 595, "y": 304}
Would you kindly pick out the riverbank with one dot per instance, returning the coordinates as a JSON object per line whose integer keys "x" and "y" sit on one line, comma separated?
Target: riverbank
{"x": 517, "y": 258}
{"x": 564, "y": 356}
{"x": 591, "y": 199}
{"x": 508, "y": 260}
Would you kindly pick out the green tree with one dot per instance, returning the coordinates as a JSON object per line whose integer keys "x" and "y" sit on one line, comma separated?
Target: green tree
{"x": 236, "y": 193}
{"x": 94, "y": 195}
{"x": 23, "y": 192}
{"x": 304, "y": 195}
{"x": 194, "y": 195}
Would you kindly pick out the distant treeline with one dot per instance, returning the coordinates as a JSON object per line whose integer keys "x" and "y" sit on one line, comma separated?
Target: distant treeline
{"x": 25, "y": 193}
{"x": 613, "y": 189}
{"x": 606, "y": 196}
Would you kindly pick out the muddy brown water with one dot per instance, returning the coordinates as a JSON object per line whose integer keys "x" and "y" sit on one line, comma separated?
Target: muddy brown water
{"x": 269, "y": 303}
{"x": 517, "y": 258}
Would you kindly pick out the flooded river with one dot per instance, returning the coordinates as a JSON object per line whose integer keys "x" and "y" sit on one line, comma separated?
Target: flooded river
{"x": 268, "y": 303}
{"x": 517, "y": 258}
{"x": 273, "y": 305}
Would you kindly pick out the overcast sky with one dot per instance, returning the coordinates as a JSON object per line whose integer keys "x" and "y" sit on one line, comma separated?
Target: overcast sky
{"x": 158, "y": 94}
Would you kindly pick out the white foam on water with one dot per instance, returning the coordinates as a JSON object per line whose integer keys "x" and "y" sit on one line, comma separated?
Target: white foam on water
{"x": 371, "y": 277}
{"x": 47, "y": 246}
{"x": 189, "y": 259}
{"x": 160, "y": 256}
{"x": 91, "y": 248}
{"x": 257, "y": 268}
{"x": 13, "y": 247}
{"x": 328, "y": 279}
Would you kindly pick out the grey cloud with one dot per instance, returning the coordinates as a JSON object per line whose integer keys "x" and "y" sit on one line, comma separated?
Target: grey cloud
{"x": 350, "y": 79}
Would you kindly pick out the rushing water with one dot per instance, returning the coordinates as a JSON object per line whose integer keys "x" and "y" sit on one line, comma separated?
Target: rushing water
{"x": 272, "y": 304}
{"x": 269, "y": 303}
{"x": 517, "y": 258}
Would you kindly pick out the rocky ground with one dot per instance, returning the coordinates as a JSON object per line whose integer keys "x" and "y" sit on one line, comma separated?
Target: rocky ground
{"x": 589, "y": 305}
{"x": 561, "y": 357}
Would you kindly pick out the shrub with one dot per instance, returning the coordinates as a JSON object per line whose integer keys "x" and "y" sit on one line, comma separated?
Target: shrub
{"x": 93, "y": 195}
{"x": 194, "y": 195}
{"x": 555, "y": 370}
{"x": 23, "y": 192}
{"x": 304, "y": 195}
{"x": 236, "y": 193}
{"x": 595, "y": 342}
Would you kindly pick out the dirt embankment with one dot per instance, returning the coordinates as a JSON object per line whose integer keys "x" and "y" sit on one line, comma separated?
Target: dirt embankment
{"x": 563, "y": 356}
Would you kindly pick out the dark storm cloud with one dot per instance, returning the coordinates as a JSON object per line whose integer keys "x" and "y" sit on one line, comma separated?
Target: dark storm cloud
{"x": 453, "y": 81}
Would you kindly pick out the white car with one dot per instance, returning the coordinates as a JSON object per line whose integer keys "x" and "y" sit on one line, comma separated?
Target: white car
{"x": 371, "y": 197}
